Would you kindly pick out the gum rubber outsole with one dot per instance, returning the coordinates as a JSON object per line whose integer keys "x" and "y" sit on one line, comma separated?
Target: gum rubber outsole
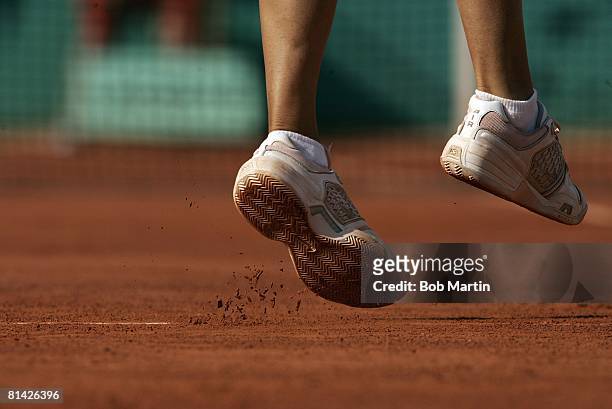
{"x": 463, "y": 174}
{"x": 458, "y": 172}
{"x": 331, "y": 268}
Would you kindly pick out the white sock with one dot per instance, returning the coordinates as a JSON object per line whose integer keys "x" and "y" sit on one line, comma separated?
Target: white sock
{"x": 522, "y": 114}
{"x": 311, "y": 149}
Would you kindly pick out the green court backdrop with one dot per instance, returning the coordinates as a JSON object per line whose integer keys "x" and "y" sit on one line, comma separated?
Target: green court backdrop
{"x": 387, "y": 64}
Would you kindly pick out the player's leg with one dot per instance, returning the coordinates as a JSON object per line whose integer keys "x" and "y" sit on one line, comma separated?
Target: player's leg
{"x": 294, "y": 34}
{"x": 496, "y": 39}
{"x": 287, "y": 190}
{"x": 508, "y": 144}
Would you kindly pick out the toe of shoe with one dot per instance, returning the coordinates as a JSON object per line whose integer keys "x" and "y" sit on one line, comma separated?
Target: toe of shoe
{"x": 569, "y": 202}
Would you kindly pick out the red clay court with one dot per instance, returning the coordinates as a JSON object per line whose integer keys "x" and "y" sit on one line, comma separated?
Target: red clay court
{"x": 129, "y": 280}
{"x": 129, "y": 285}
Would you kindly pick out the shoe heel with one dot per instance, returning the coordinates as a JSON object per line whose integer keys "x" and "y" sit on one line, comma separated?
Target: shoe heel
{"x": 457, "y": 171}
{"x": 271, "y": 207}
{"x": 330, "y": 268}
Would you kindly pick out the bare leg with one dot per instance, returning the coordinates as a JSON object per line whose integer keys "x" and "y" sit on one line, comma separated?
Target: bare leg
{"x": 294, "y": 35}
{"x": 496, "y": 37}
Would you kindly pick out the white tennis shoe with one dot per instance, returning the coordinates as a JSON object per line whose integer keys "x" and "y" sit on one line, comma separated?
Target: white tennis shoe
{"x": 528, "y": 169}
{"x": 304, "y": 205}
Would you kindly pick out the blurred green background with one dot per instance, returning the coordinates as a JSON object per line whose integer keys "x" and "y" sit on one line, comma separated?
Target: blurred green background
{"x": 387, "y": 65}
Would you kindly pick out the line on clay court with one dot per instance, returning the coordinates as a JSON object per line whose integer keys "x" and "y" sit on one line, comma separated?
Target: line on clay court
{"x": 82, "y": 323}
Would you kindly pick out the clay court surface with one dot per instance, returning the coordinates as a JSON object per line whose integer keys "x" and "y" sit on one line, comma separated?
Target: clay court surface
{"x": 126, "y": 275}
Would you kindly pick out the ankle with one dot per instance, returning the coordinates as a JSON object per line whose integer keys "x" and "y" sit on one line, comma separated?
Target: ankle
{"x": 521, "y": 113}
{"x": 310, "y": 148}
{"x": 515, "y": 93}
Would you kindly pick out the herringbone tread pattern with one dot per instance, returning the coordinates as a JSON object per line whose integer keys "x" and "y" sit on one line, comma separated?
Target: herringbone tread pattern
{"x": 330, "y": 267}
